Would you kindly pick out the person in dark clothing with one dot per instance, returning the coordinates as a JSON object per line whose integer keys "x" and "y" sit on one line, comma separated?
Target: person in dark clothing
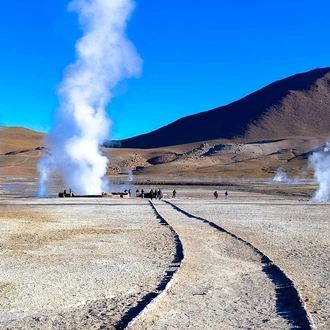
{"x": 159, "y": 194}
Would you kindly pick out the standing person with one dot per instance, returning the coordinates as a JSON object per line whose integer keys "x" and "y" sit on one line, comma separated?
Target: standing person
{"x": 152, "y": 194}
{"x": 226, "y": 194}
{"x": 160, "y": 194}
{"x": 142, "y": 193}
{"x": 174, "y": 194}
{"x": 129, "y": 192}
{"x": 215, "y": 194}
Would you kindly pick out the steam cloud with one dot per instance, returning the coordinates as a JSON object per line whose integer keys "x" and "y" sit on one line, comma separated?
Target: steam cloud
{"x": 104, "y": 57}
{"x": 280, "y": 176}
{"x": 320, "y": 162}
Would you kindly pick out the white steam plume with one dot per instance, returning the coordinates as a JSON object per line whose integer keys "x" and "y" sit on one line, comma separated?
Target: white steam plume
{"x": 320, "y": 162}
{"x": 280, "y": 176}
{"x": 130, "y": 175}
{"x": 104, "y": 57}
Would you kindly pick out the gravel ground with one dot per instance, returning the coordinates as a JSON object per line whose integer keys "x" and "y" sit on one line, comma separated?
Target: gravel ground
{"x": 78, "y": 263}
{"x": 294, "y": 233}
{"x": 218, "y": 285}
{"x": 96, "y": 263}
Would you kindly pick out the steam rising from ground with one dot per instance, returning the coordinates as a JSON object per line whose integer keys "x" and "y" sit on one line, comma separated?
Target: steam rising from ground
{"x": 280, "y": 176}
{"x": 320, "y": 161}
{"x": 104, "y": 57}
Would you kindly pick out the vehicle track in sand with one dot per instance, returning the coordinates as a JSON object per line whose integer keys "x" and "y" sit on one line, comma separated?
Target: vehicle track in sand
{"x": 224, "y": 282}
{"x": 141, "y": 305}
{"x": 85, "y": 263}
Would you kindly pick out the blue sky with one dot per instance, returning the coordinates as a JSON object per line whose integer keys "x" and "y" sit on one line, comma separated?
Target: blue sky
{"x": 197, "y": 55}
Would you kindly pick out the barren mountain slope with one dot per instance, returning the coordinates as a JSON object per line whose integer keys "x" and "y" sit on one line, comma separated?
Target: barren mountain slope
{"x": 19, "y": 138}
{"x": 301, "y": 112}
{"x": 20, "y": 149}
{"x": 295, "y": 106}
{"x": 217, "y": 159}
{"x": 211, "y": 160}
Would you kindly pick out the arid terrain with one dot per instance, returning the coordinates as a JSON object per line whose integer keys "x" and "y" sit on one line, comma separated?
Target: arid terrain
{"x": 258, "y": 260}
{"x": 252, "y": 261}
{"x": 298, "y": 105}
{"x": 211, "y": 161}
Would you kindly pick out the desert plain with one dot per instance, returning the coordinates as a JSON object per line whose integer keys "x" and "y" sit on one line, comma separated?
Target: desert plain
{"x": 257, "y": 260}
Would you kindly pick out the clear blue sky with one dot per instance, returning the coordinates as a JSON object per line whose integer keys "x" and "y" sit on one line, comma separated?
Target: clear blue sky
{"x": 196, "y": 55}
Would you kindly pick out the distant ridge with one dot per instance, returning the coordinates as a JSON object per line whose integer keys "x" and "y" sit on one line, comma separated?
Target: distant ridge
{"x": 295, "y": 106}
{"x": 17, "y": 138}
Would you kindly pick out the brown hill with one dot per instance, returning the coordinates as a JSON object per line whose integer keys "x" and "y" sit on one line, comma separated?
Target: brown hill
{"x": 215, "y": 161}
{"x": 295, "y": 106}
{"x": 20, "y": 149}
{"x": 211, "y": 161}
{"x": 14, "y": 138}
{"x": 276, "y": 127}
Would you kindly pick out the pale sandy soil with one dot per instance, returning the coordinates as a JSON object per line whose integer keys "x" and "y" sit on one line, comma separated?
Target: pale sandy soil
{"x": 78, "y": 264}
{"x": 98, "y": 263}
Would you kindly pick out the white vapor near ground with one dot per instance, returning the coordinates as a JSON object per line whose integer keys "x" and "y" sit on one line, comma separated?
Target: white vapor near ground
{"x": 104, "y": 57}
{"x": 320, "y": 162}
{"x": 280, "y": 176}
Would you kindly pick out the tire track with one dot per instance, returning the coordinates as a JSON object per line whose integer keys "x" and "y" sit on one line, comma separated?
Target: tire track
{"x": 134, "y": 313}
{"x": 245, "y": 296}
{"x": 289, "y": 303}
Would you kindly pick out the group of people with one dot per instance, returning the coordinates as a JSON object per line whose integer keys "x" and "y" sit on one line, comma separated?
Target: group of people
{"x": 153, "y": 194}
{"x": 216, "y": 194}
{"x": 138, "y": 194}
{"x": 157, "y": 194}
